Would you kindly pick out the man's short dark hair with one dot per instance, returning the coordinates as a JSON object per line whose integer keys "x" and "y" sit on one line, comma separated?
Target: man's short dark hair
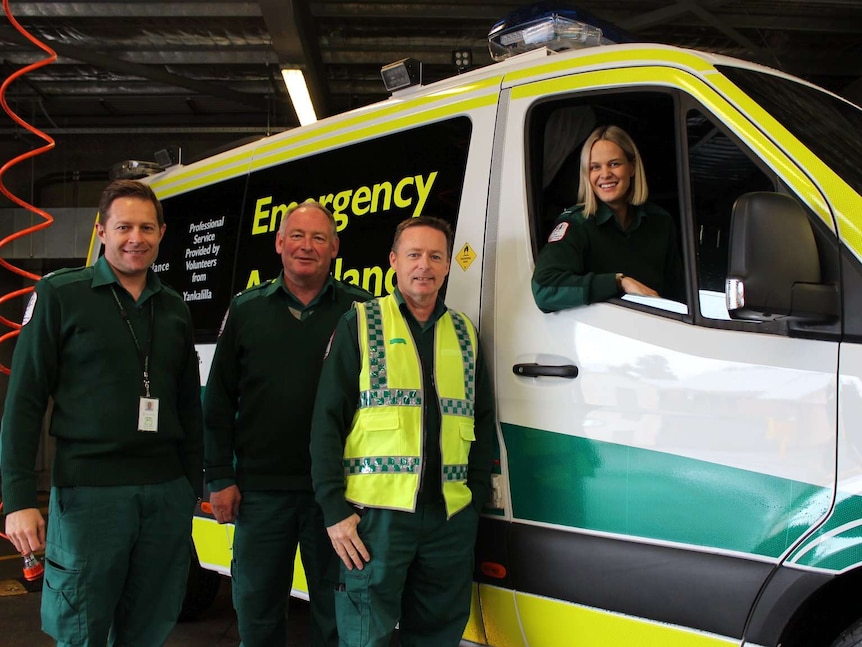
{"x": 128, "y": 189}
{"x": 426, "y": 221}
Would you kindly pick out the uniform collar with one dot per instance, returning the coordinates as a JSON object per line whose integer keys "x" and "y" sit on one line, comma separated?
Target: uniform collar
{"x": 104, "y": 275}
{"x": 439, "y": 307}
{"x": 604, "y": 215}
{"x": 278, "y": 285}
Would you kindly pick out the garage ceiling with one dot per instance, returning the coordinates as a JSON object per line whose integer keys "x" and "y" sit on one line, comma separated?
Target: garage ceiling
{"x": 209, "y": 66}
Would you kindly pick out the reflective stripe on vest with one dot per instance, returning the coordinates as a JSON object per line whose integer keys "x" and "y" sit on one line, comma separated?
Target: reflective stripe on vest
{"x": 383, "y": 450}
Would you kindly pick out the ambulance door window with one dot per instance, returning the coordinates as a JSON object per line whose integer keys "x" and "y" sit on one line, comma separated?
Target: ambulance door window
{"x": 557, "y": 131}
{"x": 719, "y": 172}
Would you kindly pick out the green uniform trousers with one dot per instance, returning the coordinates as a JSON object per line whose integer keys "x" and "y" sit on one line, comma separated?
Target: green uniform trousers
{"x": 116, "y": 563}
{"x": 268, "y": 528}
{"x": 420, "y": 577}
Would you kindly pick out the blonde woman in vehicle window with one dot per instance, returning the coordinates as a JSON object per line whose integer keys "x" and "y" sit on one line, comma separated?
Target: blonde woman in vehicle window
{"x": 614, "y": 241}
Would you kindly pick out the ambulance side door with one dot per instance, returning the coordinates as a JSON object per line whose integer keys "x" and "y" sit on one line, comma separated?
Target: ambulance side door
{"x": 660, "y": 459}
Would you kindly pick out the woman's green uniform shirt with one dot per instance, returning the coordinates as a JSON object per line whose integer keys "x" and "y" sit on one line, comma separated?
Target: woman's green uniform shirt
{"x": 582, "y": 257}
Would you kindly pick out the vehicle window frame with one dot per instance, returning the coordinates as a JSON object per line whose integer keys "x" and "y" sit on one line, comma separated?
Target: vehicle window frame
{"x": 682, "y": 104}
{"x": 782, "y": 327}
{"x": 536, "y": 120}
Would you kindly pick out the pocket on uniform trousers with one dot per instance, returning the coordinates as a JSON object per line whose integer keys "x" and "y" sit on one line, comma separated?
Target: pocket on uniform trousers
{"x": 64, "y": 611}
{"x": 352, "y": 609}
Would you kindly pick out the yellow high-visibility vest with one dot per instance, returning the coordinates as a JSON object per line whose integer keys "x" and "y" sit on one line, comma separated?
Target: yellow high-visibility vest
{"x": 383, "y": 451}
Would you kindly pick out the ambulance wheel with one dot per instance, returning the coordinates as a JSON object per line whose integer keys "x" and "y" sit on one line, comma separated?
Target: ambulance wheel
{"x": 850, "y": 637}
{"x": 201, "y": 589}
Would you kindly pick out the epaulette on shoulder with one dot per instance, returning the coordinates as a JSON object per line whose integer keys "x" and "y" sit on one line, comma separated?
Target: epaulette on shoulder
{"x": 253, "y": 291}
{"x": 652, "y": 209}
{"x": 354, "y": 291}
{"x": 574, "y": 213}
{"x": 67, "y": 275}
{"x": 171, "y": 291}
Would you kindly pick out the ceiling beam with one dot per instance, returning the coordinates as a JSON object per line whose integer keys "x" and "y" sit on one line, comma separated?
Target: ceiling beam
{"x": 490, "y": 12}
{"x": 766, "y": 22}
{"x": 108, "y": 62}
{"x": 253, "y": 56}
{"x": 134, "y": 9}
{"x": 290, "y": 25}
{"x": 732, "y": 33}
{"x": 659, "y": 16}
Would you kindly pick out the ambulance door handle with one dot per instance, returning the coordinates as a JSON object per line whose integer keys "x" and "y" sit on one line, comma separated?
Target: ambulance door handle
{"x": 545, "y": 370}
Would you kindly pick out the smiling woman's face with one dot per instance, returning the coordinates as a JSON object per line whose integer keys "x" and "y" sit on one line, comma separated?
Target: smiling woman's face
{"x": 611, "y": 172}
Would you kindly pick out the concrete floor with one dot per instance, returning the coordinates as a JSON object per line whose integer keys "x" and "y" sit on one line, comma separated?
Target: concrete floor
{"x": 19, "y": 619}
{"x": 216, "y": 627}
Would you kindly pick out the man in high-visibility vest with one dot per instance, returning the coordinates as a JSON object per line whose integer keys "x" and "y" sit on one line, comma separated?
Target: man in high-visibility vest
{"x": 401, "y": 445}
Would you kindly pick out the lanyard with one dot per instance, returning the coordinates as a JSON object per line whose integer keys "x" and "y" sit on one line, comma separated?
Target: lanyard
{"x": 143, "y": 355}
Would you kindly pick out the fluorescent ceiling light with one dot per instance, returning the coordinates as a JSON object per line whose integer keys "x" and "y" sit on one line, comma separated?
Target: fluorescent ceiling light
{"x": 298, "y": 91}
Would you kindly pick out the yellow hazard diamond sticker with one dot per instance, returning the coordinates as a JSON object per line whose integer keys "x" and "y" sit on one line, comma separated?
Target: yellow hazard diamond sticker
{"x": 465, "y": 256}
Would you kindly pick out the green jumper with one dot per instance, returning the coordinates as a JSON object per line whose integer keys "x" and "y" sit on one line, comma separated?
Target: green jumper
{"x": 121, "y": 503}
{"x": 257, "y": 412}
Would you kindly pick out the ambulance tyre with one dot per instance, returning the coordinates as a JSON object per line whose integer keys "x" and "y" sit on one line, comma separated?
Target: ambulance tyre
{"x": 201, "y": 589}
{"x": 850, "y": 637}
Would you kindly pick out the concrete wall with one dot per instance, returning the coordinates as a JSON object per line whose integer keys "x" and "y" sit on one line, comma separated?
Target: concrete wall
{"x": 69, "y": 236}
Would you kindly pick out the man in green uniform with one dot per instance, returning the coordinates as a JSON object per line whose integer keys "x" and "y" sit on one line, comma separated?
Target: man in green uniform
{"x": 257, "y": 412}
{"x": 402, "y": 443}
{"x": 114, "y": 349}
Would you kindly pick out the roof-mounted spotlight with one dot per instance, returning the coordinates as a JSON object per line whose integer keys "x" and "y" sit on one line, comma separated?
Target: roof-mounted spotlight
{"x": 133, "y": 170}
{"x": 462, "y": 59}
{"x": 170, "y": 156}
{"x": 401, "y": 74}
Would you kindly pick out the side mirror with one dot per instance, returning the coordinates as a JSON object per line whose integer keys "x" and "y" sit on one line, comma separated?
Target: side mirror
{"x": 773, "y": 265}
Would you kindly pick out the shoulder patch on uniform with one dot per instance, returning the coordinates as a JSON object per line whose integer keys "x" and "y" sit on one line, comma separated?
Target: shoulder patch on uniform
{"x": 223, "y": 322}
{"x": 328, "y": 346}
{"x": 28, "y": 312}
{"x": 559, "y": 232}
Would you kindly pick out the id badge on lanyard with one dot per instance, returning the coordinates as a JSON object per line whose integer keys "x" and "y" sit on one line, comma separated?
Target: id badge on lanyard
{"x": 148, "y": 415}
{"x": 148, "y": 406}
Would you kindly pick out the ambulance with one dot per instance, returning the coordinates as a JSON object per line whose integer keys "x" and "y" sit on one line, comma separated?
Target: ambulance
{"x": 669, "y": 473}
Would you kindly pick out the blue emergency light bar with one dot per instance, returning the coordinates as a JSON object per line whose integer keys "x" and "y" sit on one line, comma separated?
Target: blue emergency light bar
{"x": 550, "y": 25}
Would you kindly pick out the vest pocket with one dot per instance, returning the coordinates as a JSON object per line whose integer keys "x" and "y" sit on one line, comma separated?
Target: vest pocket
{"x": 380, "y": 420}
{"x": 378, "y": 434}
{"x": 468, "y": 431}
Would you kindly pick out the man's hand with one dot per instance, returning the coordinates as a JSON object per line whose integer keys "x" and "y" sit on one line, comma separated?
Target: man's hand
{"x": 26, "y": 530}
{"x": 225, "y": 504}
{"x": 633, "y": 286}
{"x": 347, "y": 544}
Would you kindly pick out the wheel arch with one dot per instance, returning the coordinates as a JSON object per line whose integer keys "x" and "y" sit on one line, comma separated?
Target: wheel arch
{"x": 803, "y": 608}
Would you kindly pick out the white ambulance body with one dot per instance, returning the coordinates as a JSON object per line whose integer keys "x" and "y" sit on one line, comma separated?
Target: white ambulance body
{"x": 693, "y": 476}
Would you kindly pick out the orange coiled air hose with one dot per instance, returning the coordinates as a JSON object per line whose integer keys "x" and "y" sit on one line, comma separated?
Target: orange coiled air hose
{"x": 47, "y": 219}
